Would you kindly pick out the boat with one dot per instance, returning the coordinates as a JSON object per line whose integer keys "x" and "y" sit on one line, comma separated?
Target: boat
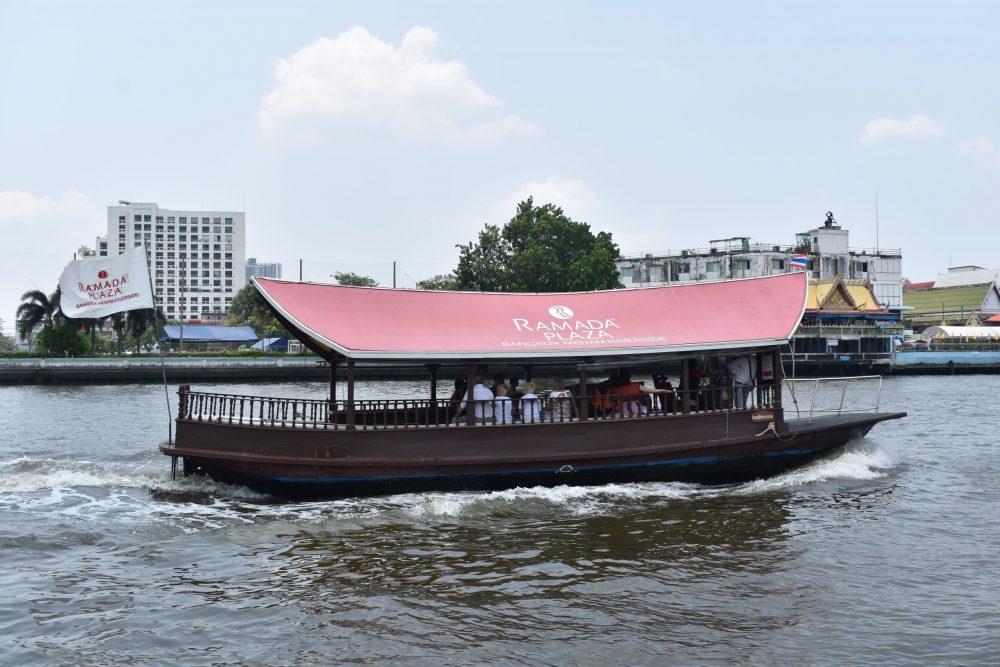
{"x": 706, "y": 429}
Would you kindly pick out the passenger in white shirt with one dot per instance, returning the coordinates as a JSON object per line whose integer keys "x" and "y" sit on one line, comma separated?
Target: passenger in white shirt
{"x": 531, "y": 405}
{"x": 504, "y": 406}
{"x": 483, "y": 398}
{"x": 742, "y": 369}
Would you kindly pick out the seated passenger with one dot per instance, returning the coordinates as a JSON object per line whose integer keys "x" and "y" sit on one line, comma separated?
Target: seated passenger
{"x": 628, "y": 394}
{"x": 458, "y": 394}
{"x": 483, "y": 401}
{"x": 497, "y": 381}
{"x": 562, "y": 407}
{"x": 504, "y": 406}
{"x": 531, "y": 405}
{"x": 515, "y": 395}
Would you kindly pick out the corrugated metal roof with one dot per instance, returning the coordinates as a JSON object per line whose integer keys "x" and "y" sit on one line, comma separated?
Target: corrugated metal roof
{"x": 946, "y": 300}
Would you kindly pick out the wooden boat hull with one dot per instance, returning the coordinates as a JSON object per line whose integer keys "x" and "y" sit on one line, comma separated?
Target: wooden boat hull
{"x": 707, "y": 449}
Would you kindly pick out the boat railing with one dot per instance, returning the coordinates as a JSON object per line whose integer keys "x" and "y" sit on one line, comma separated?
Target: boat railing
{"x": 829, "y": 395}
{"x": 368, "y": 414}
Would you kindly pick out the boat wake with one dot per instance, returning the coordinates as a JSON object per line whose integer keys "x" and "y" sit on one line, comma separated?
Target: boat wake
{"x": 137, "y": 492}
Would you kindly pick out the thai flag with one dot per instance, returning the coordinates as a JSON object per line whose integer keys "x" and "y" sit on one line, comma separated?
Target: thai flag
{"x": 799, "y": 262}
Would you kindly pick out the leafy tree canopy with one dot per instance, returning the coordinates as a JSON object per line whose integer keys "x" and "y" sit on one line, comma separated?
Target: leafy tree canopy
{"x": 540, "y": 249}
{"x": 63, "y": 340}
{"x": 250, "y": 310}
{"x": 354, "y": 280}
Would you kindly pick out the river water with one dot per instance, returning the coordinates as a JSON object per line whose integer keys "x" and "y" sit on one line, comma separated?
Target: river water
{"x": 886, "y": 551}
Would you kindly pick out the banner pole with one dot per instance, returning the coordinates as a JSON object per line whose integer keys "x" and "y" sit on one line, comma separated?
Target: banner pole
{"x": 163, "y": 365}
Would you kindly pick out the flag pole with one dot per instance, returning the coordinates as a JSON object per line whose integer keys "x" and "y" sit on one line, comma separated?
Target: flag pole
{"x": 163, "y": 365}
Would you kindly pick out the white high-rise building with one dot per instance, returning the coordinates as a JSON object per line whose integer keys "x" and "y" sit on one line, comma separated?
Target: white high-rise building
{"x": 196, "y": 257}
{"x": 262, "y": 269}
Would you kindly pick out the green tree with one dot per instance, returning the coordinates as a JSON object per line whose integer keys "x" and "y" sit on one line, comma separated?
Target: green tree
{"x": 354, "y": 280}
{"x": 439, "y": 283}
{"x": 540, "y": 249}
{"x": 63, "y": 340}
{"x": 249, "y": 309}
{"x": 36, "y": 308}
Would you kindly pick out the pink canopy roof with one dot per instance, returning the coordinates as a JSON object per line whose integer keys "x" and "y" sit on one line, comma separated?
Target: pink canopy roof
{"x": 390, "y": 324}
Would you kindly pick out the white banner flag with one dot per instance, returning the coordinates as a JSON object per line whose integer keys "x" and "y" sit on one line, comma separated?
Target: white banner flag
{"x": 100, "y": 286}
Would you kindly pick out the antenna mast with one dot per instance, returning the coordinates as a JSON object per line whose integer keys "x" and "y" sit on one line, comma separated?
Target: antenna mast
{"x": 876, "y": 223}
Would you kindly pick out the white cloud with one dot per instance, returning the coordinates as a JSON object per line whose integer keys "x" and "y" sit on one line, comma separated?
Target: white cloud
{"x": 358, "y": 79}
{"x": 916, "y": 125}
{"x": 25, "y": 208}
{"x": 983, "y": 149}
{"x": 572, "y": 194}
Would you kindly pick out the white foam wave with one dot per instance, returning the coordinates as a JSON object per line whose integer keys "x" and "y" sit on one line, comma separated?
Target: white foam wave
{"x": 80, "y": 488}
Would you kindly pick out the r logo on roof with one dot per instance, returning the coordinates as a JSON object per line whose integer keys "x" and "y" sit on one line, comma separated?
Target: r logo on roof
{"x": 560, "y": 312}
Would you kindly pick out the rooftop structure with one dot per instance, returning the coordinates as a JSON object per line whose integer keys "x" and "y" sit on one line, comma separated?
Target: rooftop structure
{"x": 824, "y": 249}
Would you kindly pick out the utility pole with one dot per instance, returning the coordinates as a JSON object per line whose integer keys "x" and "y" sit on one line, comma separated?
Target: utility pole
{"x": 394, "y": 274}
{"x": 300, "y": 270}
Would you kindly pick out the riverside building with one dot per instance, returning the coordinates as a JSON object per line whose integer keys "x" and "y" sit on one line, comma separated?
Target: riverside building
{"x": 825, "y": 252}
{"x": 856, "y": 295}
{"x": 196, "y": 258}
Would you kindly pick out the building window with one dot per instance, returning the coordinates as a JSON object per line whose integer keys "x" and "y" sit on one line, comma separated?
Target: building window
{"x": 229, "y": 221}
{"x": 743, "y": 265}
{"x": 711, "y": 267}
{"x": 778, "y": 264}
{"x": 147, "y": 218}
{"x": 138, "y": 218}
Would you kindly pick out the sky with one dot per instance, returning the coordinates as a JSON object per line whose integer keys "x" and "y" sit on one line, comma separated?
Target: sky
{"x": 358, "y": 134}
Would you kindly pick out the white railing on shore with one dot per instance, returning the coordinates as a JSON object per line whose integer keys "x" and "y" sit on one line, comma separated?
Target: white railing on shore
{"x": 833, "y": 388}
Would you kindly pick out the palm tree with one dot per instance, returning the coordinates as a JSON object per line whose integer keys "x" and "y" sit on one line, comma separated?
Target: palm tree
{"x": 140, "y": 321}
{"x": 38, "y": 308}
{"x": 119, "y": 323}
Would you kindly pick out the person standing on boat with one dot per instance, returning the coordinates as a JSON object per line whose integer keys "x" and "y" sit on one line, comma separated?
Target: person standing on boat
{"x": 483, "y": 399}
{"x": 742, "y": 369}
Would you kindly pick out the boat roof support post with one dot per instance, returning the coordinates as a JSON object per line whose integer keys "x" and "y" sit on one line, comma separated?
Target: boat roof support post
{"x": 350, "y": 394}
{"x": 582, "y": 398}
{"x": 686, "y": 393}
{"x": 333, "y": 383}
{"x": 779, "y": 380}
{"x": 470, "y": 408}
{"x": 433, "y": 368}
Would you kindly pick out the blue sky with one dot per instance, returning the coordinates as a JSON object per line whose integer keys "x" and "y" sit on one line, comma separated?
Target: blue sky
{"x": 359, "y": 133}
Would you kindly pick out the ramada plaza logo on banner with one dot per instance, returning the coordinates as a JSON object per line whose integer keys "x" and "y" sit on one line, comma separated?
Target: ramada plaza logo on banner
{"x": 104, "y": 289}
{"x": 564, "y": 327}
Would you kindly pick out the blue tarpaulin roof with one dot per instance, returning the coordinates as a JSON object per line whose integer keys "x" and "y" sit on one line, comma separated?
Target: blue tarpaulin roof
{"x": 200, "y": 333}
{"x": 279, "y": 343}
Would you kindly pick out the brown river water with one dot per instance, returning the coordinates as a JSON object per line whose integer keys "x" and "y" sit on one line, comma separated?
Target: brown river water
{"x": 887, "y": 551}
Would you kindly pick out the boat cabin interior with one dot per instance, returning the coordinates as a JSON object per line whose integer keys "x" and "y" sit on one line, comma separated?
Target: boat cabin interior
{"x": 543, "y": 394}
